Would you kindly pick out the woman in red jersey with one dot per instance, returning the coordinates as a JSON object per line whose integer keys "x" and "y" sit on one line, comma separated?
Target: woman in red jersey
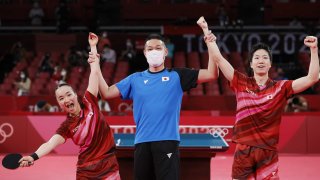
{"x": 260, "y": 104}
{"x": 87, "y": 127}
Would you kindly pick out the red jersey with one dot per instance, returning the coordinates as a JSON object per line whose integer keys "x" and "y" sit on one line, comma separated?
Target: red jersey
{"x": 259, "y": 110}
{"x": 91, "y": 132}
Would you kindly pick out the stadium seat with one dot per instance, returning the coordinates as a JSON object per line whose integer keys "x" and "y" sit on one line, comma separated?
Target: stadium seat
{"x": 212, "y": 88}
{"x": 193, "y": 60}
{"x": 122, "y": 69}
{"x": 204, "y": 59}
{"x": 198, "y": 91}
{"x": 179, "y": 59}
{"x": 168, "y": 62}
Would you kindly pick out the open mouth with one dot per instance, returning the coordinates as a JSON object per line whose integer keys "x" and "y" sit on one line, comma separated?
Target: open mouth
{"x": 70, "y": 106}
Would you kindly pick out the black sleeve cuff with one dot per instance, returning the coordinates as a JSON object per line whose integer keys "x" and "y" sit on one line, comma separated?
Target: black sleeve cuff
{"x": 34, "y": 156}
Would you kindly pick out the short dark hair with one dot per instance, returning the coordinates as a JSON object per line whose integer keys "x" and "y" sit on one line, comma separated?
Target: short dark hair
{"x": 296, "y": 100}
{"x": 63, "y": 84}
{"x": 154, "y": 36}
{"x": 40, "y": 104}
{"x": 257, "y": 47}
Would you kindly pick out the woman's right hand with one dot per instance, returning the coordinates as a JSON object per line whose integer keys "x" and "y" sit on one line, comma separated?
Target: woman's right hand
{"x": 93, "y": 39}
{"x": 311, "y": 42}
{"x": 26, "y": 161}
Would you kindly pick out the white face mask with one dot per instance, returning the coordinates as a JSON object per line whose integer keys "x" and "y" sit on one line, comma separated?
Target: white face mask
{"x": 22, "y": 76}
{"x": 63, "y": 72}
{"x": 155, "y": 58}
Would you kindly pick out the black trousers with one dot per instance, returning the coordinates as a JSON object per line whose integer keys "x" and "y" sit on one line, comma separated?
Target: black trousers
{"x": 158, "y": 160}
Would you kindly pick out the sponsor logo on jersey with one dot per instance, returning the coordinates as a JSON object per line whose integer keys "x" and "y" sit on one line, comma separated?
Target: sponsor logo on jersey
{"x": 165, "y": 78}
{"x": 270, "y": 97}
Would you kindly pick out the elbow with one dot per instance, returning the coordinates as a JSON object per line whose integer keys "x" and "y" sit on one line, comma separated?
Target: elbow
{"x": 215, "y": 74}
{"x": 212, "y": 76}
{"x": 104, "y": 93}
{"x": 209, "y": 75}
{"x": 314, "y": 78}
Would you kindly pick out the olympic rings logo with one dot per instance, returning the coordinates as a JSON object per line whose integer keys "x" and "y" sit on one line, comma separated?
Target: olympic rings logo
{"x": 123, "y": 107}
{"x": 216, "y": 132}
{"x": 3, "y": 132}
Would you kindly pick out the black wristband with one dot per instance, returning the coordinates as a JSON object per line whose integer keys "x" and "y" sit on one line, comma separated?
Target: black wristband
{"x": 34, "y": 156}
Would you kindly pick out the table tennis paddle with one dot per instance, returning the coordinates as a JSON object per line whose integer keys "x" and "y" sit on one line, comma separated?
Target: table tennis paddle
{"x": 11, "y": 161}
